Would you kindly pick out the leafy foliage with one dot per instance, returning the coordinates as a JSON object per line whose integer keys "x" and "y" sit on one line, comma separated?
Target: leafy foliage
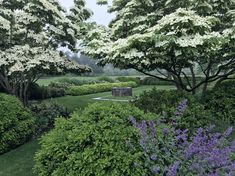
{"x": 46, "y": 114}
{"x": 173, "y": 152}
{"x": 93, "y": 142}
{"x": 30, "y": 32}
{"x": 37, "y": 92}
{"x": 96, "y": 88}
{"x": 106, "y": 79}
{"x": 221, "y": 100}
{"x": 165, "y": 102}
{"x": 128, "y": 79}
{"x": 173, "y": 38}
{"x": 16, "y": 123}
{"x": 154, "y": 81}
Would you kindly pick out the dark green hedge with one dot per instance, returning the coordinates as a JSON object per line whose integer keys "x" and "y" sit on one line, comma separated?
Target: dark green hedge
{"x": 155, "y": 81}
{"x": 16, "y": 123}
{"x": 37, "y": 92}
{"x": 96, "y": 88}
{"x": 95, "y": 142}
{"x": 221, "y": 101}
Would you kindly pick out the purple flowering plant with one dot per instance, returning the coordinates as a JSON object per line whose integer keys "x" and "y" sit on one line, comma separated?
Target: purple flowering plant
{"x": 170, "y": 151}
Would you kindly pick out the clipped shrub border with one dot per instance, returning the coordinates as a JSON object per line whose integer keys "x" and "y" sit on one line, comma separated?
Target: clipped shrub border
{"x": 97, "y": 88}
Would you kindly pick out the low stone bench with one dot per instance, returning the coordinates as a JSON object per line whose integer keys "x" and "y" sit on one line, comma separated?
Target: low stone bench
{"x": 122, "y": 91}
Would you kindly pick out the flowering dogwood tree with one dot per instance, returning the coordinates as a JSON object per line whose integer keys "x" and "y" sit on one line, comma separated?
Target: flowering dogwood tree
{"x": 30, "y": 32}
{"x": 176, "y": 38}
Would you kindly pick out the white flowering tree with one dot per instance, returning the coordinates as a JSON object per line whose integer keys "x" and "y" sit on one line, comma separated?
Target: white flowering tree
{"x": 172, "y": 37}
{"x": 30, "y": 33}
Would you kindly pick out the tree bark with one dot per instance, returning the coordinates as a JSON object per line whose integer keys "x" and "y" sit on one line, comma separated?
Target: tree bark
{"x": 194, "y": 81}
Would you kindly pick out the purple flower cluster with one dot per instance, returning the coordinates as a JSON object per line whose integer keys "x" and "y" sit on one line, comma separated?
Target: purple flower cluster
{"x": 181, "y": 108}
{"x": 210, "y": 153}
{"x": 173, "y": 170}
{"x": 203, "y": 154}
{"x": 147, "y": 131}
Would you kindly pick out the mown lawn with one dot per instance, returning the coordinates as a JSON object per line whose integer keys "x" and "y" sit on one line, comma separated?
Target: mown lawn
{"x": 19, "y": 162}
{"x": 75, "y": 102}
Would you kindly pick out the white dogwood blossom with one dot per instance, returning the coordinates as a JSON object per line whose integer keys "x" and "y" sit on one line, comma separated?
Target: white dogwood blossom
{"x": 31, "y": 32}
{"x": 169, "y": 35}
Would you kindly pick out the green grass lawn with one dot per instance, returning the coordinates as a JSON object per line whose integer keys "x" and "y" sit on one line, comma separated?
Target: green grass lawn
{"x": 75, "y": 102}
{"x": 19, "y": 162}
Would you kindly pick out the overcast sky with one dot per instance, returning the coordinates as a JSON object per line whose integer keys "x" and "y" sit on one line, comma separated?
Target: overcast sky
{"x": 100, "y": 12}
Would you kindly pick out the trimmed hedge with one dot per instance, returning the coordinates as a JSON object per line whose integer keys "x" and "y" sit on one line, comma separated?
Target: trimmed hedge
{"x": 155, "y": 81}
{"x": 128, "y": 79}
{"x": 16, "y": 123}
{"x": 96, "y": 88}
{"x": 96, "y": 142}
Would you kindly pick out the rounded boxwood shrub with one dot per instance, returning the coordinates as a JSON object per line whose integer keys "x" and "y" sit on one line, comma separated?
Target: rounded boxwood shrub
{"x": 95, "y": 142}
{"x": 16, "y": 123}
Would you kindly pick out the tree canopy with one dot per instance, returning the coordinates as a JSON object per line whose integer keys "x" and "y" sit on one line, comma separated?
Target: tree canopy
{"x": 169, "y": 36}
{"x": 31, "y": 31}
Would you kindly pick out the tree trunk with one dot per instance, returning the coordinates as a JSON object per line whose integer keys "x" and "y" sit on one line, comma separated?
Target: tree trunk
{"x": 177, "y": 84}
{"x": 194, "y": 81}
{"x": 25, "y": 95}
{"x": 204, "y": 89}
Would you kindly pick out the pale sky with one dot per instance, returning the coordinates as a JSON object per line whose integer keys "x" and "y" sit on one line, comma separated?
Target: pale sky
{"x": 100, "y": 12}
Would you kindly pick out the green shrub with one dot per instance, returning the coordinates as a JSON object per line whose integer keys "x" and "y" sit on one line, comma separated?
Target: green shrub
{"x": 106, "y": 79}
{"x": 45, "y": 114}
{"x": 16, "y": 123}
{"x": 165, "y": 103}
{"x": 96, "y": 88}
{"x": 76, "y": 82}
{"x": 59, "y": 85}
{"x": 128, "y": 79}
{"x": 37, "y": 92}
{"x": 93, "y": 143}
{"x": 154, "y": 81}
{"x": 221, "y": 101}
